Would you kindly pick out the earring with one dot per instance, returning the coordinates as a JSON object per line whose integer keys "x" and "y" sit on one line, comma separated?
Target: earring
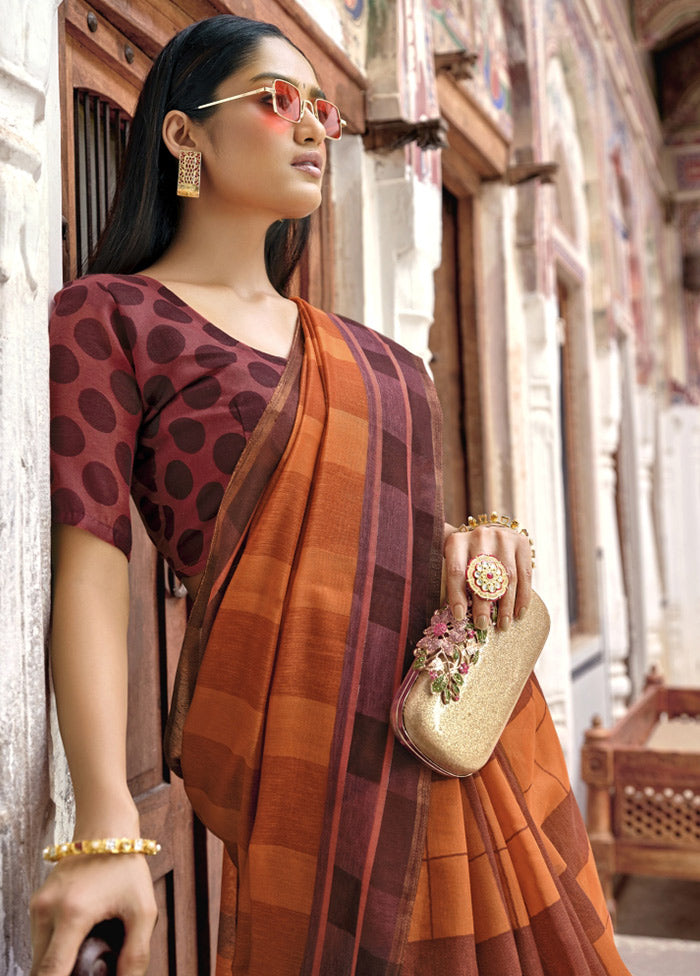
{"x": 189, "y": 171}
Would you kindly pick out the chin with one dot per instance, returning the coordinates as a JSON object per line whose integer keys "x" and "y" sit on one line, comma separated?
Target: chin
{"x": 297, "y": 213}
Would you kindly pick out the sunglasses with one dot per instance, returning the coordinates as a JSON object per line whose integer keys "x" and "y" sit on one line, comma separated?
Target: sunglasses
{"x": 288, "y": 103}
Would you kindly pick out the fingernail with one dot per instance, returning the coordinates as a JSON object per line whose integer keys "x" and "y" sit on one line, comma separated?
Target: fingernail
{"x": 504, "y": 622}
{"x": 521, "y": 614}
{"x": 482, "y": 623}
{"x": 458, "y": 612}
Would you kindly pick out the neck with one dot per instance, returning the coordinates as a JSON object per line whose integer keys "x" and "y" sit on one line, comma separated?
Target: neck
{"x": 219, "y": 248}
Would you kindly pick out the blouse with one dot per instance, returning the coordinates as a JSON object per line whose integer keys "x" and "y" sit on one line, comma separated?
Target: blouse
{"x": 147, "y": 398}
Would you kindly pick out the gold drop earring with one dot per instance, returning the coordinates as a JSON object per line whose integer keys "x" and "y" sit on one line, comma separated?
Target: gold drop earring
{"x": 189, "y": 172}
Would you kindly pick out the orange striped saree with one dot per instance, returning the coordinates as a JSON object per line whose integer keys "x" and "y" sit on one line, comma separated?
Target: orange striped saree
{"x": 324, "y": 567}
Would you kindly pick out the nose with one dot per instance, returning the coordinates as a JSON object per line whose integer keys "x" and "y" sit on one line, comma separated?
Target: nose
{"x": 308, "y": 115}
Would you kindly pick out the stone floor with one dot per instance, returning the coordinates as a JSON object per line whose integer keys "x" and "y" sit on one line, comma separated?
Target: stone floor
{"x": 658, "y": 926}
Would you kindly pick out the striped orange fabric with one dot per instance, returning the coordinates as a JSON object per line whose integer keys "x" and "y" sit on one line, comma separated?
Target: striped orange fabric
{"x": 287, "y": 741}
{"x": 508, "y": 884}
{"x": 344, "y": 854}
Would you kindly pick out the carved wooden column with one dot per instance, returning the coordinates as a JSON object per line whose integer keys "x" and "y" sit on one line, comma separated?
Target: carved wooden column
{"x": 597, "y": 772}
{"x": 546, "y": 503}
{"x": 679, "y": 516}
{"x": 650, "y": 567}
{"x": 613, "y": 601}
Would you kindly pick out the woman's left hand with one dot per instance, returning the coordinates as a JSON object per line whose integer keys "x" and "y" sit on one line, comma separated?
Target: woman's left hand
{"x": 511, "y": 548}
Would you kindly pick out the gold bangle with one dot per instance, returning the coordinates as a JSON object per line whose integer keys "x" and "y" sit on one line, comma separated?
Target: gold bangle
{"x": 107, "y": 845}
{"x": 494, "y": 518}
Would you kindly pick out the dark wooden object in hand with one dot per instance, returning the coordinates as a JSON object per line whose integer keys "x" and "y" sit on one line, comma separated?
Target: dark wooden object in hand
{"x": 100, "y": 950}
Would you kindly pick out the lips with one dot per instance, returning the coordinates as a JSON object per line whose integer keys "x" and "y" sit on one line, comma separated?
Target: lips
{"x": 311, "y": 163}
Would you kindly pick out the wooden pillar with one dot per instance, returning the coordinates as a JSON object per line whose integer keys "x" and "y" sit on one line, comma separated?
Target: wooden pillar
{"x": 597, "y": 773}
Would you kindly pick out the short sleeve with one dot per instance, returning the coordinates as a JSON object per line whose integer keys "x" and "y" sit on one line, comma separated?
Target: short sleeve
{"x": 96, "y": 412}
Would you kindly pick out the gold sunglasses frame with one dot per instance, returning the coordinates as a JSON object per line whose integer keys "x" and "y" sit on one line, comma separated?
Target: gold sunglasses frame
{"x": 303, "y": 102}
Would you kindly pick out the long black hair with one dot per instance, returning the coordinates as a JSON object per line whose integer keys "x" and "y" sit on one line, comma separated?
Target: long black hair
{"x": 186, "y": 73}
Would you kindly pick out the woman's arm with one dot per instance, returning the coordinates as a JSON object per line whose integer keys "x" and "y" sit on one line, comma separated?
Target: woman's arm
{"x": 90, "y": 668}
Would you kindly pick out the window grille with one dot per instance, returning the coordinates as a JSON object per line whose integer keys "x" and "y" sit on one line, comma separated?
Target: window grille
{"x": 101, "y": 132}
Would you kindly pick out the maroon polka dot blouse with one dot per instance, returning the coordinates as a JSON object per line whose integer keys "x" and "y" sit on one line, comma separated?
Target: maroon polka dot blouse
{"x": 147, "y": 398}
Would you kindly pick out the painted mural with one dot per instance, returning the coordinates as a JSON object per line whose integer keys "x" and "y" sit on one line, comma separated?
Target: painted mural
{"x": 355, "y": 17}
{"x": 568, "y": 36}
{"x": 657, "y": 19}
{"x": 682, "y": 125}
{"x": 452, "y": 24}
{"x": 345, "y": 21}
{"x": 565, "y": 146}
{"x": 477, "y": 26}
{"x": 417, "y": 71}
{"x": 617, "y": 153}
{"x": 688, "y": 169}
{"x": 417, "y": 82}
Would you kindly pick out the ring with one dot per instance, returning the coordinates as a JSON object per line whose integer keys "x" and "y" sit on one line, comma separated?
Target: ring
{"x": 487, "y": 577}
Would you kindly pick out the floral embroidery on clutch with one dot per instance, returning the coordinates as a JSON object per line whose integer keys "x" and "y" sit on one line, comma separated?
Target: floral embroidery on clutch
{"x": 447, "y": 650}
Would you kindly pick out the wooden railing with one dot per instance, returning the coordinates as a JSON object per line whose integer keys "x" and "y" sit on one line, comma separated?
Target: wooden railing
{"x": 643, "y": 813}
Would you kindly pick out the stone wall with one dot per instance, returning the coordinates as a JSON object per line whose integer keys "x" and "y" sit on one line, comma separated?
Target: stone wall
{"x": 29, "y": 239}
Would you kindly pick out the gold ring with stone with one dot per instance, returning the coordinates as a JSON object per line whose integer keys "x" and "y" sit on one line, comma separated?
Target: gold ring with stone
{"x": 487, "y": 577}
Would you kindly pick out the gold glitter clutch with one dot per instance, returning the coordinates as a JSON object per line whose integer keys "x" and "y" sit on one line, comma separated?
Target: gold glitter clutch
{"x": 463, "y": 686}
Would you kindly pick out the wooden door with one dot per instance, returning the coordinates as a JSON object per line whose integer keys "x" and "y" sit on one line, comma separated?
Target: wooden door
{"x": 107, "y": 49}
{"x": 102, "y": 74}
{"x": 453, "y": 344}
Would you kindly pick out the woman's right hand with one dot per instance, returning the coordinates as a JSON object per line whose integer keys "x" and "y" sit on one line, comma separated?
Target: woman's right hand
{"x": 90, "y": 616}
{"x": 83, "y": 890}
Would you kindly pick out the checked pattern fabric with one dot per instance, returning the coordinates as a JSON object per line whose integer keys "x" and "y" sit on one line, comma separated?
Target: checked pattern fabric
{"x": 287, "y": 753}
{"x": 508, "y": 883}
{"x": 344, "y": 855}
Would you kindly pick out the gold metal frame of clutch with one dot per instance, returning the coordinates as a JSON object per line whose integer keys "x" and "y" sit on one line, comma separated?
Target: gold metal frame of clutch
{"x": 452, "y": 708}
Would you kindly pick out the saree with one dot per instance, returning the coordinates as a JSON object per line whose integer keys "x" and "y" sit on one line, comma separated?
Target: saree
{"x": 344, "y": 855}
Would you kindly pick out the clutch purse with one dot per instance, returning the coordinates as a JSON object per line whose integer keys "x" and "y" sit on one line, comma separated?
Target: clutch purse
{"x": 456, "y": 699}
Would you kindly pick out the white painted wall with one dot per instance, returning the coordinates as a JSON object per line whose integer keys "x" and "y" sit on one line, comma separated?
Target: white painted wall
{"x": 388, "y": 243}
{"x": 29, "y": 271}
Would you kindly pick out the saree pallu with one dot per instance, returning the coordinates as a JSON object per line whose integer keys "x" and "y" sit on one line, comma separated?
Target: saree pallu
{"x": 324, "y": 567}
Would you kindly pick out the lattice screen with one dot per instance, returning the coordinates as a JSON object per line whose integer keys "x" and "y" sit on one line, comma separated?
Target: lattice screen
{"x": 662, "y": 816}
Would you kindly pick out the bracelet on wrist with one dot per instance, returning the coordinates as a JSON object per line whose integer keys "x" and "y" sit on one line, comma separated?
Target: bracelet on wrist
{"x": 105, "y": 845}
{"x": 484, "y": 520}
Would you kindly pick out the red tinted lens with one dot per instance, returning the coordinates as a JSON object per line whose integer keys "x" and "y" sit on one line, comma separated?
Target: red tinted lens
{"x": 329, "y": 117}
{"x": 287, "y": 101}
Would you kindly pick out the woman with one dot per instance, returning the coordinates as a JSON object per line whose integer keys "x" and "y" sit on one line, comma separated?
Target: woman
{"x": 178, "y": 364}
